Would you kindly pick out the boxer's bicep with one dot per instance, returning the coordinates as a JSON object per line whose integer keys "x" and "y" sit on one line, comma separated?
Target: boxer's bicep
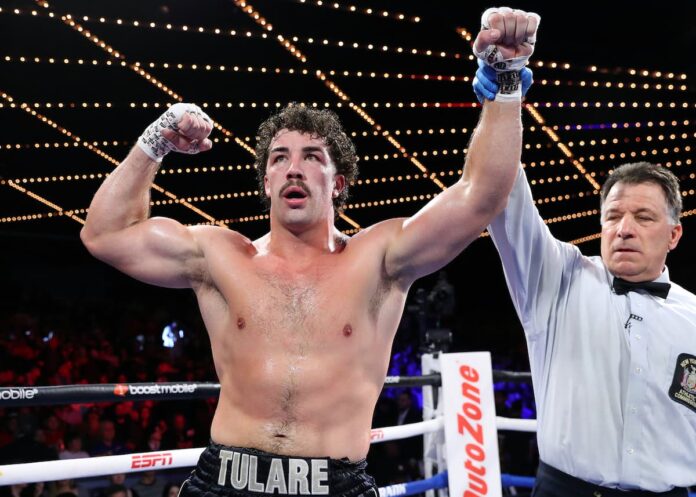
{"x": 158, "y": 251}
{"x": 436, "y": 234}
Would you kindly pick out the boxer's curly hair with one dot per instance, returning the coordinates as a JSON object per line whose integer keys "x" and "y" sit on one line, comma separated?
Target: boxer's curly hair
{"x": 318, "y": 123}
{"x": 645, "y": 172}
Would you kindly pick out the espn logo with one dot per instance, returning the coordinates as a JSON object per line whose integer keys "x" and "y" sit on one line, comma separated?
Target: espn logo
{"x": 376, "y": 435}
{"x": 143, "y": 461}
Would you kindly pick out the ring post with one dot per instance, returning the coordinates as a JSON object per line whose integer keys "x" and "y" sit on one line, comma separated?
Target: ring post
{"x": 433, "y": 443}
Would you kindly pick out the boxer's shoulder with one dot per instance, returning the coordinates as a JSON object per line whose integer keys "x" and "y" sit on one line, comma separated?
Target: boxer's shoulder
{"x": 381, "y": 232}
{"x": 220, "y": 238}
{"x": 378, "y": 237}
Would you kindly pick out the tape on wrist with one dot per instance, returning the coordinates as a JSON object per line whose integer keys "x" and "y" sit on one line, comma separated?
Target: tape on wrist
{"x": 509, "y": 87}
{"x": 154, "y": 144}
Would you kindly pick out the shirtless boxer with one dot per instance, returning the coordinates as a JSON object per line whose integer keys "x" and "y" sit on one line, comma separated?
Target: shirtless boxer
{"x": 301, "y": 320}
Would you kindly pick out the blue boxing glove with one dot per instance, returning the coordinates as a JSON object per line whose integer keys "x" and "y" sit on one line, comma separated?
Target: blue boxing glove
{"x": 527, "y": 78}
{"x": 486, "y": 83}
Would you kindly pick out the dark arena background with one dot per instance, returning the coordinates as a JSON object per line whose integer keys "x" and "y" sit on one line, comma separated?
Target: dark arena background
{"x": 80, "y": 80}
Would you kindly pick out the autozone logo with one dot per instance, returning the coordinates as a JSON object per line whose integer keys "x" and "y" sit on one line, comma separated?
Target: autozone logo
{"x": 469, "y": 424}
{"x": 142, "y": 461}
{"x": 376, "y": 435}
{"x": 18, "y": 393}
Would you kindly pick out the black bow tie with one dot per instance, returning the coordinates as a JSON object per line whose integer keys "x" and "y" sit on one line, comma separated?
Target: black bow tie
{"x": 622, "y": 287}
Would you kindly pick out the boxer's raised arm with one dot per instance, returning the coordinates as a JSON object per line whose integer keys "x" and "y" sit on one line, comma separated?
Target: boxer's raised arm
{"x": 118, "y": 231}
{"x": 448, "y": 223}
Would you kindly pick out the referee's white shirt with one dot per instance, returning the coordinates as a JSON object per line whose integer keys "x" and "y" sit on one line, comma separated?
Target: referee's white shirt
{"x": 615, "y": 406}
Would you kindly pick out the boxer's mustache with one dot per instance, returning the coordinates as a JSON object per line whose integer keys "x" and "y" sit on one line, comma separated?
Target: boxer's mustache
{"x": 298, "y": 183}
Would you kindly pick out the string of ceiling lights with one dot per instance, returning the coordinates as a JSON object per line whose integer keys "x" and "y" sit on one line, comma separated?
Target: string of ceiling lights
{"x": 256, "y": 16}
{"x": 375, "y": 132}
{"x": 97, "y": 150}
{"x": 368, "y": 181}
{"x": 67, "y": 19}
{"x": 197, "y": 170}
{"x": 361, "y": 10}
{"x": 217, "y": 31}
{"x": 245, "y": 219}
{"x": 91, "y": 148}
{"x": 328, "y": 104}
{"x": 560, "y": 144}
{"x": 22, "y": 59}
{"x": 564, "y": 148}
{"x": 250, "y": 193}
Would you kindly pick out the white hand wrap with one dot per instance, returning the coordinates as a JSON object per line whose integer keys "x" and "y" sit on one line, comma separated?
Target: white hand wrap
{"x": 507, "y": 69}
{"x": 157, "y": 146}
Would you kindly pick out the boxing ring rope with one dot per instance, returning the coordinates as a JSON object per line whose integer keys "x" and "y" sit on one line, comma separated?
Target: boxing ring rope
{"x": 184, "y": 458}
{"x": 171, "y": 459}
{"x": 130, "y": 463}
{"x": 118, "y": 392}
{"x": 114, "y": 392}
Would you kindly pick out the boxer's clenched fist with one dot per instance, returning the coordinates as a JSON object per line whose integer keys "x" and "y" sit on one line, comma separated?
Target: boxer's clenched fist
{"x": 507, "y": 37}
{"x": 503, "y": 47}
{"x": 183, "y": 128}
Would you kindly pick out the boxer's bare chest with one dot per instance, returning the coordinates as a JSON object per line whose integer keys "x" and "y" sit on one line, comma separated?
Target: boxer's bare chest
{"x": 294, "y": 304}
{"x": 292, "y": 339}
{"x": 294, "y": 301}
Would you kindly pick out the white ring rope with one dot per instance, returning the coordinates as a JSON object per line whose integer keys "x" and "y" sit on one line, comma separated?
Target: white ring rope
{"x": 186, "y": 458}
{"x": 379, "y": 435}
{"x": 516, "y": 424}
{"x": 97, "y": 466}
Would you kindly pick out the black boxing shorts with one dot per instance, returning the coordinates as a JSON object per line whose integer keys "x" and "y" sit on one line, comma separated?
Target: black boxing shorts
{"x": 233, "y": 471}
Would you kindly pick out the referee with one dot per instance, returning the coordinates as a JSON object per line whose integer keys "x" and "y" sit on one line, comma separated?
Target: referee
{"x": 611, "y": 339}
